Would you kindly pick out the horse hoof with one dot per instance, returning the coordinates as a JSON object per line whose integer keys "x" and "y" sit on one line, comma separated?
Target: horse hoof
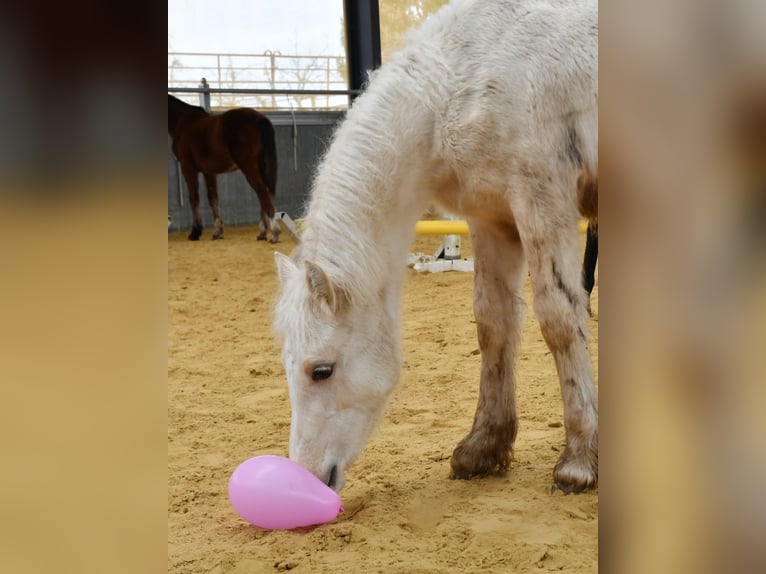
{"x": 468, "y": 463}
{"x": 273, "y": 240}
{"x": 216, "y": 236}
{"x": 575, "y": 474}
{"x": 196, "y": 232}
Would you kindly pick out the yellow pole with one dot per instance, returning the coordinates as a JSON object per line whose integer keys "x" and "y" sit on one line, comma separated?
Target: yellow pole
{"x": 446, "y": 227}
{"x": 441, "y": 227}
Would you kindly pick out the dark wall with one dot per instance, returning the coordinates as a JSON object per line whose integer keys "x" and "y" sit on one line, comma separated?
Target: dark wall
{"x": 297, "y": 156}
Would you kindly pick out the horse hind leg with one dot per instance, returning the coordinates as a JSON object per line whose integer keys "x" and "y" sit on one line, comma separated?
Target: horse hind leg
{"x": 192, "y": 182}
{"x": 498, "y": 307}
{"x": 268, "y": 221}
{"x": 212, "y": 197}
{"x": 265, "y": 198}
{"x": 269, "y": 224}
{"x": 560, "y": 306}
{"x": 276, "y": 230}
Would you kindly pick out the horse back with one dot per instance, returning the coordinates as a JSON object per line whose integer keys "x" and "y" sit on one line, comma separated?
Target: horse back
{"x": 242, "y": 126}
{"x": 517, "y": 96}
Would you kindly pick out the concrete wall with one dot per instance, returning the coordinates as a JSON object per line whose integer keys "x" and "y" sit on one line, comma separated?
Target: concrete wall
{"x": 297, "y": 157}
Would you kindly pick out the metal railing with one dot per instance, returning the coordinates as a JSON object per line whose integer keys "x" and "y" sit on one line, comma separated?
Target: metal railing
{"x": 269, "y": 81}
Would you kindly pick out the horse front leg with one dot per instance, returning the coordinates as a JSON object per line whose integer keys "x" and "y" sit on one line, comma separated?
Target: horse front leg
{"x": 212, "y": 197}
{"x": 192, "y": 182}
{"x": 498, "y": 307}
{"x": 560, "y": 305}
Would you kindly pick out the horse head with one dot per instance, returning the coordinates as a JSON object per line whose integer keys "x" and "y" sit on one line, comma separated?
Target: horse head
{"x": 342, "y": 359}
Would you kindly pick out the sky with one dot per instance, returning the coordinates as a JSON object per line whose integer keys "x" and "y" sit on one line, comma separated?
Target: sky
{"x": 305, "y": 27}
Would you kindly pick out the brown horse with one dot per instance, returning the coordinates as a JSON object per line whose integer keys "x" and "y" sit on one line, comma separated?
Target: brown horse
{"x": 240, "y": 138}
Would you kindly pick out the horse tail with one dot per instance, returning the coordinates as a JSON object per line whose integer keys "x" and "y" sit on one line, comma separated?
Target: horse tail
{"x": 269, "y": 156}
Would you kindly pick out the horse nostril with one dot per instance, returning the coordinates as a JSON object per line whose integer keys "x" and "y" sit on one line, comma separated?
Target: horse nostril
{"x": 333, "y": 476}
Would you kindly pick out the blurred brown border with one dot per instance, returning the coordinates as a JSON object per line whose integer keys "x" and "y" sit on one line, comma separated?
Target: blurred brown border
{"x": 681, "y": 295}
{"x": 83, "y": 287}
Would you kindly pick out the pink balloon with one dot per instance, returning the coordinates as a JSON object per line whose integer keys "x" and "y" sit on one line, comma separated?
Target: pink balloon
{"x": 275, "y": 493}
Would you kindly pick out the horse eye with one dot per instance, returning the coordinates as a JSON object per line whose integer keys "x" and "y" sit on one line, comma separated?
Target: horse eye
{"x": 322, "y": 372}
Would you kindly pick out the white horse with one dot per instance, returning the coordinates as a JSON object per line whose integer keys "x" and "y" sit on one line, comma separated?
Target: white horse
{"x": 491, "y": 111}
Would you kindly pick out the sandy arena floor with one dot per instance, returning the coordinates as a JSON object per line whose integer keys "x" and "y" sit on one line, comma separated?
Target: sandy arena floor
{"x": 228, "y": 402}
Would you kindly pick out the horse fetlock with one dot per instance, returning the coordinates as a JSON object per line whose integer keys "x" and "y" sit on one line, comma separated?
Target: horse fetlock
{"x": 196, "y": 232}
{"x": 275, "y": 232}
{"x": 576, "y": 470}
{"x": 480, "y": 454}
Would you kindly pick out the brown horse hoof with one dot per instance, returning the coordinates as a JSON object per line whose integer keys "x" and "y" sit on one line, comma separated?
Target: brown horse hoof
{"x": 196, "y": 232}
{"x": 217, "y": 236}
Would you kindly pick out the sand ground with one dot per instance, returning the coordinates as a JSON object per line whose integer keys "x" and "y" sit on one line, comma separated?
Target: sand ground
{"x": 228, "y": 402}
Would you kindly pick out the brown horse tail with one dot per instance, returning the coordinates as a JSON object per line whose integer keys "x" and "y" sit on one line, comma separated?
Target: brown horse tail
{"x": 269, "y": 156}
{"x": 587, "y": 196}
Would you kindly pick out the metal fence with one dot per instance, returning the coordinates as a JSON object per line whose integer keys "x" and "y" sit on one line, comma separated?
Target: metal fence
{"x": 270, "y": 80}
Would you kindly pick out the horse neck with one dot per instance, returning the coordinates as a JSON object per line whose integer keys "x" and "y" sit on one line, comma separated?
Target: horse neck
{"x": 370, "y": 190}
{"x": 177, "y": 109}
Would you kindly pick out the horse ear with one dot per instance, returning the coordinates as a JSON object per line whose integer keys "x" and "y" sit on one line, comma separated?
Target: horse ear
{"x": 286, "y": 268}
{"x": 322, "y": 288}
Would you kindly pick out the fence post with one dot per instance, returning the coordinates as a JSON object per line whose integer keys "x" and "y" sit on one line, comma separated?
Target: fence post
{"x": 363, "y": 38}
{"x": 204, "y": 97}
{"x": 273, "y": 73}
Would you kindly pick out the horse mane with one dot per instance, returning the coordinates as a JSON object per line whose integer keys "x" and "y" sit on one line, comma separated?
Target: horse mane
{"x": 363, "y": 165}
{"x": 403, "y": 129}
{"x": 358, "y": 174}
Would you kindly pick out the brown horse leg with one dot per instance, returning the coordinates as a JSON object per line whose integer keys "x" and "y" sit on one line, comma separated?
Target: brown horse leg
{"x": 262, "y": 229}
{"x": 268, "y": 223}
{"x": 212, "y": 198}
{"x": 192, "y": 182}
{"x": 498, "y": 307}
{"x": 275, "y": 230}
{"x": 560, "y": 305}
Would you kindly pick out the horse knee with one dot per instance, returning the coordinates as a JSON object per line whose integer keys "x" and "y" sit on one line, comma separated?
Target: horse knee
{"x": 560, "y": 311}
